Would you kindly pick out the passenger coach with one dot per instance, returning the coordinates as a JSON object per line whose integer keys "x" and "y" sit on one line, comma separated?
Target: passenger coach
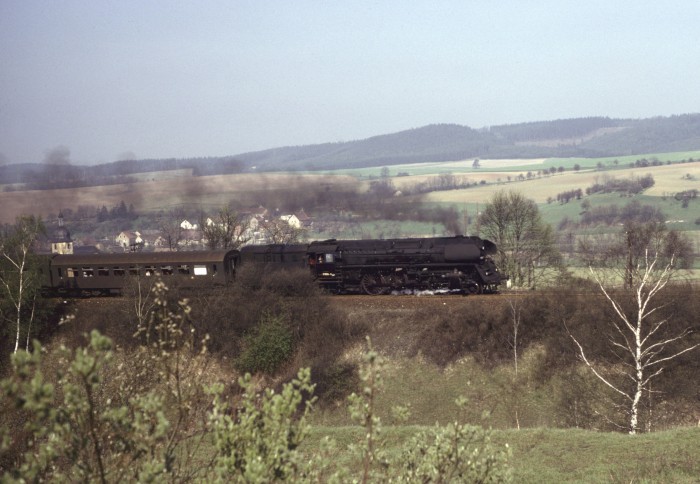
{"x": 104, "y": 274}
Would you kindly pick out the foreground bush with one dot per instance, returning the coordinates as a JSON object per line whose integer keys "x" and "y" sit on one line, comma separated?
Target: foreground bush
{"x": 73, "y": 432}
{"x": 96, "y": 414}
{"x": 267, "y": 346}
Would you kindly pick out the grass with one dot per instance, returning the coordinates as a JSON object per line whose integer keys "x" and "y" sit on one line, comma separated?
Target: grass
{"x": 490, "y": 392}
{"x": 544, "y": 450}
{"x": 574, "y": 455}
{"x": 541, "y": 452}
{"x": 677, "y": 217}
{"x": 514, "y": 165}
{"x": 609, "y": 161}
{"x": 564, "y": 456}
{"x": 668, "y": 179}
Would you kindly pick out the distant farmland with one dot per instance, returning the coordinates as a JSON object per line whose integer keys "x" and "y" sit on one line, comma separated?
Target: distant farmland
{"x": 668, "y": 179}
{"x": 169, "y": 189}
{"x": 162, "y": 193}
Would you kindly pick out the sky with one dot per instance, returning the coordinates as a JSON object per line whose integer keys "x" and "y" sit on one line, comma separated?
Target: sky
{"x": 95, "y": 81}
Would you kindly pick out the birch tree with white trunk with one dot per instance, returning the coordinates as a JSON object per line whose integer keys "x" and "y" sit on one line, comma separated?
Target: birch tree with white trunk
{"x": 641, "y": 336}
{"x": 18, "y": 278}
{"x": 516, "y": 316}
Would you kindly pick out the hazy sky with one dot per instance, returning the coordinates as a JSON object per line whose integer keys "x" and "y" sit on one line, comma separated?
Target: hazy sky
{"x": 94, "y": 81}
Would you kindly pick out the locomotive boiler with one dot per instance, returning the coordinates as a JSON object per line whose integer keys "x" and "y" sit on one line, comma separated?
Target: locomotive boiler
{"x": 457, "y": 264}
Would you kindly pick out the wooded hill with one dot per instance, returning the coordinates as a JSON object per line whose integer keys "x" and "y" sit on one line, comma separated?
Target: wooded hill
{"x": 581, "y": 137}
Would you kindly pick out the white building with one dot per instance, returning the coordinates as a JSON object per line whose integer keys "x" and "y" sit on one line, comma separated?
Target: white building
{"x": 292, "y": 220}
{"x": 186, "y": 225}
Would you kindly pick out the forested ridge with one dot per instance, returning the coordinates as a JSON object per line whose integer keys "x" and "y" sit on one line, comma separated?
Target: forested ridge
{"x": 578, "y": 137}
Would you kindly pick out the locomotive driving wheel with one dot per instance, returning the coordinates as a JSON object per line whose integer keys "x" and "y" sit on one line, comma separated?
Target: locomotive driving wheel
{"x": 371, "y": 285}
{"x": 472, "y": 288}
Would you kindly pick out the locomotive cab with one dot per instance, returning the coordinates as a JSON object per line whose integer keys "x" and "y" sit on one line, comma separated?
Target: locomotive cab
{"x": 323, "y": 258}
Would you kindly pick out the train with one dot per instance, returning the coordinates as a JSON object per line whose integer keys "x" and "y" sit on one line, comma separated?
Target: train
{"x": 460, "y": 264}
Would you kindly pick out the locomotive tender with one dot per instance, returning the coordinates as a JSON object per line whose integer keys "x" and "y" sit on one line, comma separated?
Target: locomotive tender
{"x": 460, "y": 264}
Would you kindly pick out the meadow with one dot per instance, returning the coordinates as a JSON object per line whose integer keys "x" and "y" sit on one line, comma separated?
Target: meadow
{"x": 554, "y": 456}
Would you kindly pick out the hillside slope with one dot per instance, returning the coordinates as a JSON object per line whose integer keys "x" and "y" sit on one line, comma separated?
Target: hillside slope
{"x": 581, "y": 137}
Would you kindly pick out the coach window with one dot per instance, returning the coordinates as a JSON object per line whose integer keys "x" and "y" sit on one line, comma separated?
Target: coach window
{"x": 329, "y": 258}
{"x": 59, "y": 272}
{"x": 88, "y": 272}
{"x": 183, "y": 269}
{"x": 118, "y": 271}
{"x": 166, "y": 270}
{"x": 151, "y": 271}
{"x": 103, "y": 271}
{"x": 133, "y": 271}
{"x": 70, "y": 272}
{"x": 200, "y": 270}
{"x": 213, "y": 269}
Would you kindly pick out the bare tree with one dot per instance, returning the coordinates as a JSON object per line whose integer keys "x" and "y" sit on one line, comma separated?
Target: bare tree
{"x": 278, "y": 231}
{"x": 526, "y": 245}
{"x": 19, "y": 278}
{"x": 642, "y": 337}
{"x": 228, "y": 229}
{"x": 139, "y": 297}
{"x": 170, "y": 230}
{"x": 621, "y": 253}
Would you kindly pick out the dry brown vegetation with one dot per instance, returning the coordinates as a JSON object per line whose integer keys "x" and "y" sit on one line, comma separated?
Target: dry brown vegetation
{"x": 433, "y": 333}
{"x": 163, "y": 194}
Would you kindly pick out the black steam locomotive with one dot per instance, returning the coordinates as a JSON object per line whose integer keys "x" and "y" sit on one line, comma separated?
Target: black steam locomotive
{"x": 459, "y": 264}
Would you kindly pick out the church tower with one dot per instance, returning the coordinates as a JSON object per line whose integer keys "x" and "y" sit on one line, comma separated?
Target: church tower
{"x": 61, "y": 242}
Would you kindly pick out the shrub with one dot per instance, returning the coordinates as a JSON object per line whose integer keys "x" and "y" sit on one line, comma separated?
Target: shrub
{"x": 261, "y": 443}
{"x": 267, "y": 347}
{"x": 75, "y": 431}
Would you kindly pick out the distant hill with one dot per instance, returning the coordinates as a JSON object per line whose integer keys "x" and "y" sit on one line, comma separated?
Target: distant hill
{"x": 580, "y": 137}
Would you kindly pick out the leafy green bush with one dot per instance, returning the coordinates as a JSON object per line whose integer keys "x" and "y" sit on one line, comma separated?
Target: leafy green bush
{"x": 267, "y": 346}
{"x": 261, "y": 443}
{"x": 73, "y": 433}
{"x": 77, "y": 415}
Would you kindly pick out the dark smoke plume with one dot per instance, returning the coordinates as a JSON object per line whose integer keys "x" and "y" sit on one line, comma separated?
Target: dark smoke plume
{"x": 60, "y": 155}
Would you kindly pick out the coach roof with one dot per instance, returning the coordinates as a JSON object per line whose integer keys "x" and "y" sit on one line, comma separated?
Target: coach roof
{"x": 136, "y": 258}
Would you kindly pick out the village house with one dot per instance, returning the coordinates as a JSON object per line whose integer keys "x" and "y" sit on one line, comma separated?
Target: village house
{"x": 129, "y": 240}
{"x": 186, "y": 225}
{"x": 292, "y": 220}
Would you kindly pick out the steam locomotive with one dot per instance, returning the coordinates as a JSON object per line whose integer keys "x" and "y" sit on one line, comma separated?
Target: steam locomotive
{"x": 460, "y": 264}
{"x": 457, "y": 264}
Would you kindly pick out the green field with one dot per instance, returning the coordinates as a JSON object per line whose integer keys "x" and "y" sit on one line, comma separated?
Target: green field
{"x": 515, "y": 165}
{"x": 542, "y": 451}
{"x": 544, "y": 456}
